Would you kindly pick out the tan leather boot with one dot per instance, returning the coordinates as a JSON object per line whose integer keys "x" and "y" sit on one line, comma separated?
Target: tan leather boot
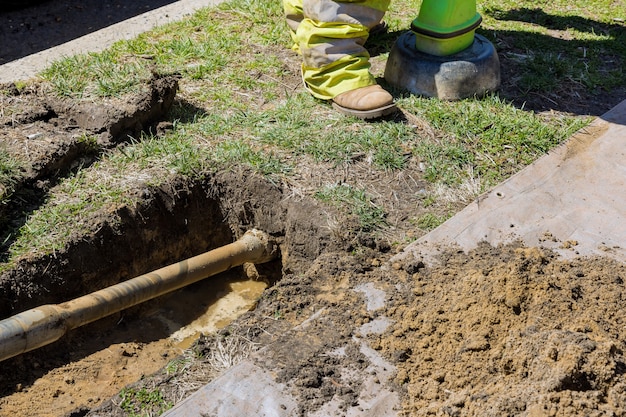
{"x": 365, "y": 103}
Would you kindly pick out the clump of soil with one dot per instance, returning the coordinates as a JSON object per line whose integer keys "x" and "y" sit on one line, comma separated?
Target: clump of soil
{"x": 511, "y": 331}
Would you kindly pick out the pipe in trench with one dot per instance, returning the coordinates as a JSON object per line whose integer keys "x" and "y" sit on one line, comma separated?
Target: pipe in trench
{"x": 46, "y": 324}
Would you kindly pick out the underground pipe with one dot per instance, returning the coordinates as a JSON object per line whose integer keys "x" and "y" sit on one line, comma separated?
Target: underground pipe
{"x": 43, "y": 325}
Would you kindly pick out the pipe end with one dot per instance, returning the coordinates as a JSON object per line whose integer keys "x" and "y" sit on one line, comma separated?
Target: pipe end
{"x": 259, "y": 240}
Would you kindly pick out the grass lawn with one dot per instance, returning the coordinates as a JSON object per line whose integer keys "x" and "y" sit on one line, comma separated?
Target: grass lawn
{"x": 241, "y": 102}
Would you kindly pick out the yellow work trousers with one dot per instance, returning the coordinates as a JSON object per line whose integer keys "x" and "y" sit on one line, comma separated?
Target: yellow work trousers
{"x": 330, "y": 36}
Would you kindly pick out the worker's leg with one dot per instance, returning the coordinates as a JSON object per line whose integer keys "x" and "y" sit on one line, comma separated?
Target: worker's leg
{"x": 330, "y": 36}
{"x": 293, "y": 14}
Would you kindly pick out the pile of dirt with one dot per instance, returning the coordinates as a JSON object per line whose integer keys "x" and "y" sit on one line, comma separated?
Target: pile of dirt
{"x": 510, "y": 331}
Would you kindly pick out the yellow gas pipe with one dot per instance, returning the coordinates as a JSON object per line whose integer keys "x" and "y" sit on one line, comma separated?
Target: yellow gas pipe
{"x": 43, "y": 325}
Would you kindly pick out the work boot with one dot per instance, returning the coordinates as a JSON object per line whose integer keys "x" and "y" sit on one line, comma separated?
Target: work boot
{"x": 365, "y": 103}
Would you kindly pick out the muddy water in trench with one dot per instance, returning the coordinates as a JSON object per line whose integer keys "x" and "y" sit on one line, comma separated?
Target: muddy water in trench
{"x": 105, "y": 359}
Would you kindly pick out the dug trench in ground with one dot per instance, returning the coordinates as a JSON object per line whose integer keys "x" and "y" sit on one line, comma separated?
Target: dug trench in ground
{"x": 173, "y": 224}
{"x": 163, "y": 225}
{"x": 176, "y": 223}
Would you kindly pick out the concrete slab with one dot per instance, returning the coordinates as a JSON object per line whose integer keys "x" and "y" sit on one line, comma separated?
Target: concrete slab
{"x": 245, "y": 390}
{"x": 251, "y": 388}
{"x": 572, "y": 200}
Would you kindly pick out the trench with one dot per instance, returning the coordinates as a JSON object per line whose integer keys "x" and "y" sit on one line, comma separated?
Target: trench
{"x": 164, "y": 225}
{"x": 90, "y": 364}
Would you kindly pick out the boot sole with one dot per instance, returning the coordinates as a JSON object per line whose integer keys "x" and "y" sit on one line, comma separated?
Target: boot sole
{"x": 367, "y": 114}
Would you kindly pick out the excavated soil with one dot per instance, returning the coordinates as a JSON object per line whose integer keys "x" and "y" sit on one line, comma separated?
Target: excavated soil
{"x": 511, "y": 331}
{"x": 507, "y": 331}
{"x": 494, "y": 332}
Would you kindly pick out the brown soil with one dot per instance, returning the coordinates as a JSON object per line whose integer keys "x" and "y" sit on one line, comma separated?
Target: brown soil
{"x": 511, "y": 331}
{"x": 498, "y": 331}
{"x": 91, "y": 365}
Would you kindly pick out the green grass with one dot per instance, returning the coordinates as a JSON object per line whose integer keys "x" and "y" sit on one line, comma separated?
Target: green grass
{"x": 553, "y": 42}
{"x": 290, "y": 127}
{"x": 490, "y": 136}
{"x": 560, "y": 43}
{"x": 102, "y": 74}
{"x": 239, "y": 107}
{"x": 143, "y": 402}
{"x": 226, "y": 154}
{"x": 67, "y": 212}
{"x": 10, "y": 175}
{"x": 430, "y": 221}
{"x": 356, "y": 203}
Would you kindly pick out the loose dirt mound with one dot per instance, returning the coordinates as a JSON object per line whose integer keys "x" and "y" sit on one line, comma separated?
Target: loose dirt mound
{"x": 511, "y": 331}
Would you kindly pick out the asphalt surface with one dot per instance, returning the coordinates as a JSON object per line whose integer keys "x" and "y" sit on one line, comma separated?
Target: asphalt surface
{"x": 53, "y": 22}
{"x": 32, "y": 37}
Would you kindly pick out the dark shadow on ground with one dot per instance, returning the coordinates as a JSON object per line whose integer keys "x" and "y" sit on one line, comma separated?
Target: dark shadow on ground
{"x": 36, "y": 28}
{"x": 551, "y": 72}
{"x": 530, "y": 78}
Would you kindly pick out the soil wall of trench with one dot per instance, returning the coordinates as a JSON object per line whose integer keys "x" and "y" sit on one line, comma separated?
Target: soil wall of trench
{"x": 167, "y": 224}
